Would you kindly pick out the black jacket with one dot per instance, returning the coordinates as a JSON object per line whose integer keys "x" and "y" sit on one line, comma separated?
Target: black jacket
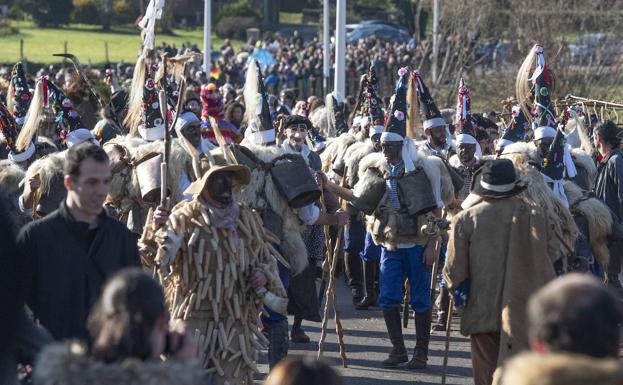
{"x": 67, "y": 264}
{"x": 609, "y": 182}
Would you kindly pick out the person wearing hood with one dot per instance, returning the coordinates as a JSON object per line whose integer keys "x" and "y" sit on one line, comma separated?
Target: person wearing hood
{"x": 189, "y": 125}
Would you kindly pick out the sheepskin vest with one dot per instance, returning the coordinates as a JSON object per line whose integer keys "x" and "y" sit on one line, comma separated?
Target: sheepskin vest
{"x": 389, "y": 226}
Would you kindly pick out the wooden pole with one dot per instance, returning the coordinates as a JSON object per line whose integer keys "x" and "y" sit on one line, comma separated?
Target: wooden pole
{"x": 447, "y": 348}
{"x": 167, "y": 137}
{"x": 330, "y": 291}
{"x": 21, "y": 49}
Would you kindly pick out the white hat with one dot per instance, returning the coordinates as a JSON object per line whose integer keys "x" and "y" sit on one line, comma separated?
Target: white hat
{"x": 79, "y": 136}
{"x": 185, "y": 119}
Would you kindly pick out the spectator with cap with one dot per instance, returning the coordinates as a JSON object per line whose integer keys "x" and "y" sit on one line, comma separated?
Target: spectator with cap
{"x": 574, "y": 330}
{"x": 609, "y": 188}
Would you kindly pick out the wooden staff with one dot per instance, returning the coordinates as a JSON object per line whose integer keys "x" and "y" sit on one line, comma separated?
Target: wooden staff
{"x": 162, "y": 96}
{"x": 330, "y": 295}
{"x": 447, "y": 348}
{"x": 405, "y": 309}
{"x": 433, "y": 278}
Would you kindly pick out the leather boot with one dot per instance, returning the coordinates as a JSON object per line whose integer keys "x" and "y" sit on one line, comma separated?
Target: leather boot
{"x": 354, "y": 272}
{"x": 369, "y": 272}
{"x": 298, "y": 334}
{"x": 422, "y": 337}
{"x": 398, "y": 355}
{"x": 443, "y": 300}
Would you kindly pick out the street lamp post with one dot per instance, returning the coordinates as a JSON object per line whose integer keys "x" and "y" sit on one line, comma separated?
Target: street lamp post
{"x": 340, "y": 48}
{"x": 207, "y": 37}
{"x": 326, "y": 66}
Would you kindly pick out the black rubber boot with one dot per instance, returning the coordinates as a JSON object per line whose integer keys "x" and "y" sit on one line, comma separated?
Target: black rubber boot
{"x": 369, "y": 273}
{"x": 277, "y": 334}
{"x": 422, "y": 337}
{"x": 354, "y": 273}
{"x": 443, "y": 300}
{"x": 398, "y": 355}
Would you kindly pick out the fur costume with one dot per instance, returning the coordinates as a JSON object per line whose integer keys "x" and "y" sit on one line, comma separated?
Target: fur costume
{"x": 69, "y": 364}
{"x": 205, "y": 272}
{"x": 125, "y": 193}
{"x": 52, "y": 190}
{"x": 539, "y": 194}
{"x": 318, "y": 117}
{"x": 261, "y": 193}
{"x": 561, "y": 369}
{"x": 334, "y": 153}
{"x": 44, "y": 146}
{"x": 11, "y": 177}
{"x": 598, "y": 217}
{"x": 372, "y": 166}
{"x": 585, "y": 164}
{"x": 353, "y": 156}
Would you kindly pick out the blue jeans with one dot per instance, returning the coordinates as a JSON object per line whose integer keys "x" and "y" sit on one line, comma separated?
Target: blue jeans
{"x": 395, "y": 267}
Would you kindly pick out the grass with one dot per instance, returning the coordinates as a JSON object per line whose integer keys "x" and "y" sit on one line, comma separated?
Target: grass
{"x": 87, "y": 42}
{"x": 290, "y": 18}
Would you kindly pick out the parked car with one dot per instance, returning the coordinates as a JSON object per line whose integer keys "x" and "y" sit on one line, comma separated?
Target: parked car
{"x": 383, "y": 22}
{"x": 381, "y": 31}
{"x": 596, "y": 48}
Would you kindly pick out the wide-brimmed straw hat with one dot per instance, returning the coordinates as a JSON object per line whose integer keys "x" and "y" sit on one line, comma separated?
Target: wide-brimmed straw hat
{"x": 242, "y": 174}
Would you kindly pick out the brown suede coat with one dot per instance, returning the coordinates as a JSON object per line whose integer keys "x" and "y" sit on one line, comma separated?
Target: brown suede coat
{"x": 561, "y": 369}
{"x": 501, "y": 246}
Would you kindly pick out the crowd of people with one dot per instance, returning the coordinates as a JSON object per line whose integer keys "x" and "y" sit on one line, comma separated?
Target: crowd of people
{"x": 179, "y": 225}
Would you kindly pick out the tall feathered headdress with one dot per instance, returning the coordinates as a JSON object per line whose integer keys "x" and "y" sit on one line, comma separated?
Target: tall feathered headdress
{"x": 534, "y": 86}
{"x": 19, "y": 95}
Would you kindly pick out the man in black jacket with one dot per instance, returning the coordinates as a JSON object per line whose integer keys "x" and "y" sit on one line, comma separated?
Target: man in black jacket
{"x": 609, "y": 188}
{"x": 70, "y": 253}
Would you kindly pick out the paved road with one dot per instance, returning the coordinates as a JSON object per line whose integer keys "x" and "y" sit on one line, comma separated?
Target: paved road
{"x": 367, "y": 345}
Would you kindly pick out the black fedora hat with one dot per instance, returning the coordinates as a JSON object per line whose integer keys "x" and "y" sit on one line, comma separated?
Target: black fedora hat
{"x": 497, "y": 179}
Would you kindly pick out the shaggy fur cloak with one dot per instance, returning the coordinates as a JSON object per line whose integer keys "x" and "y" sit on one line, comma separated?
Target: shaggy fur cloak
{"x": 69, "y": 364}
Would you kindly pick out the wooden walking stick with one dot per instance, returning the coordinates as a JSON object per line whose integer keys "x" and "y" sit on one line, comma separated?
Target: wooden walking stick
{"x": 162, "y": 96}
{"x": 330, "y": 290}
{"x": 405, "y": 310}
{"x": 433, "y": 279}
{"x": 447, "y": 348}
